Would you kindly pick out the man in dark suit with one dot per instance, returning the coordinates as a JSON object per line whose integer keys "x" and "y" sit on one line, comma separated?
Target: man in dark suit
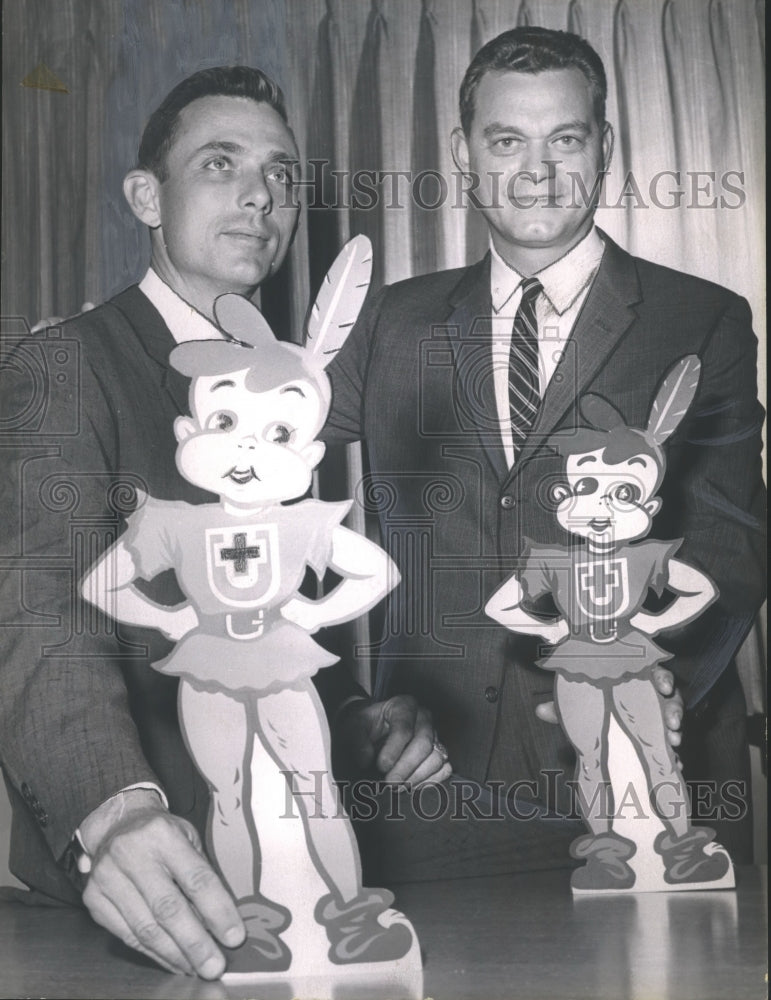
{"x": 456, "y": 404}
{"x": 89, "y": 740}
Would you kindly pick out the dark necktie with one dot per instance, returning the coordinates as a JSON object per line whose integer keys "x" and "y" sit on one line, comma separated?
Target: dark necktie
{"x": 524, "y": 384}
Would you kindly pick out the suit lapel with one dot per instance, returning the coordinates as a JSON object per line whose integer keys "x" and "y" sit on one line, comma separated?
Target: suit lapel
{"x": 470, "y": 334}
{"x": 157, "y": 341}
{"x": 606, "y": 316}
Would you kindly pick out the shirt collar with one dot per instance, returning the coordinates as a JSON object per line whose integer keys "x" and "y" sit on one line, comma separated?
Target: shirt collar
{"x": 563, "y": 281}
{"x": 182, "y": 319}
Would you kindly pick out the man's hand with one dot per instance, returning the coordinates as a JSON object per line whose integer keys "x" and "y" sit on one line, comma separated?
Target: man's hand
{"x": 672, "y": 706}
{"x": 152, "y": 887}
{"x": 398, "y": 737}
{"x": 43, "y": 324}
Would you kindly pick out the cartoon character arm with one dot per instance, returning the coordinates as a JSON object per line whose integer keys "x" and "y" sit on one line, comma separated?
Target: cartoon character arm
{"x": 695, "y": 593}
{"x": 109, "y": 585}
{"x": 505, "y": 606}
{"x": 368, "y": 575}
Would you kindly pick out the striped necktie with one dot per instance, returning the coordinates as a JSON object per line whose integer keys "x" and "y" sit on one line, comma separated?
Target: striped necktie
{"x": 524, "y": 383}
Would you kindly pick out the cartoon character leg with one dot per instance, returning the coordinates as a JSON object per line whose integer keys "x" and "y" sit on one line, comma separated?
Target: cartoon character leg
{"x": 293, "y": 727}
{"x": 681, "y": 847}
{"x": 584, "y": 716}
{"x": 638, "y": 710}
{"x": 218, "y": 737}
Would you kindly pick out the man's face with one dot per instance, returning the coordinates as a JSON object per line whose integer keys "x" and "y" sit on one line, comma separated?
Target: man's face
{"x": 251, "y": 448}
{"x": 226, "y": 210}
{"x": 534, "y": 143}
{"x": 605, "y": 502}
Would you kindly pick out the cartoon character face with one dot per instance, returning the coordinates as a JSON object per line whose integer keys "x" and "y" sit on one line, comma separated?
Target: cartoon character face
{"x": 607, "y": 503}
{"x": 251, "y": 448}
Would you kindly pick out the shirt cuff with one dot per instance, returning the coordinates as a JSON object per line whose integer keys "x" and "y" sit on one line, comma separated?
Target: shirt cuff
{"x": 82, "y": 857}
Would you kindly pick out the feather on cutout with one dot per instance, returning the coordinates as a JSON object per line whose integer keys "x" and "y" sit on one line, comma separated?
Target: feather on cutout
{"x": 340, "y": 298}
{"x": 673, "y": 398}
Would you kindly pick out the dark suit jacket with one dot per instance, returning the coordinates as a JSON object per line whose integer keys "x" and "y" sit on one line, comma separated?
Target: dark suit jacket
{"x": 415, "y": 381}
{"x": 88, "y": 418}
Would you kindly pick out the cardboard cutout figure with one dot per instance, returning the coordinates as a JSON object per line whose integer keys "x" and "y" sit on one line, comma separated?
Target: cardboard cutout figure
{"x": 603, "y": 653}
{"x": 244, "y": 648}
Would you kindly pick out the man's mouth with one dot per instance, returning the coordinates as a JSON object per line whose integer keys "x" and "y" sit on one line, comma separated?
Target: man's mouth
{"x": 600, "y": 524}
{"x": 247, "y": 234}
{"x": 524, "y": 199}
{"x": 241, "y": 476}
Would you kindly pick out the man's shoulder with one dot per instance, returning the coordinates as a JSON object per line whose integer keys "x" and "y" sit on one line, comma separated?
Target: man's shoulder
{"x": 425, "y": 291}
{"x": 116, "y": 333}
{"x": 127, "y": 307}
{"x": 660, "y": 282}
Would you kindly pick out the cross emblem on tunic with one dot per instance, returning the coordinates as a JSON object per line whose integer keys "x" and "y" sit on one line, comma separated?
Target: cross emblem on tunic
{"x": 601, "y": 582}
{"x": 240, "y": 553}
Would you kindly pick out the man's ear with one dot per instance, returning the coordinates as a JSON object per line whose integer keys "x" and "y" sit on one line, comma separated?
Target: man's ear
{"x": 608, "y": 140}
{"x": 312, "y": 453}
{"x": 184, "y": 427}
{"x": 459, "y": 146}
{"x": 653, "y": 506}
{"x": 140, "y": 188}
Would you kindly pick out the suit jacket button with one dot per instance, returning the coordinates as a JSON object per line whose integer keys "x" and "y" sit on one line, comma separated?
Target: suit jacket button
{"x": 507, "y": 501}
{"x": 491, "y": 693}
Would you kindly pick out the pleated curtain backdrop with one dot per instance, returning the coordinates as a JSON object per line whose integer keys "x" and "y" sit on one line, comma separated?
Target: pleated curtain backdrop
{"x": 372, "y": 91}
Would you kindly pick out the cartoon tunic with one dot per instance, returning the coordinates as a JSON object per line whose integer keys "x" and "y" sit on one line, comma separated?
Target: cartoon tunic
{"x": 237, "y": 571}
{"x": 598, "y": 592}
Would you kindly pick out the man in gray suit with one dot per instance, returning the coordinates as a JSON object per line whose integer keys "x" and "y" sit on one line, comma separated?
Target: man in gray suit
{"x": 89, "y": 740}
{"x": 456, "y": 412}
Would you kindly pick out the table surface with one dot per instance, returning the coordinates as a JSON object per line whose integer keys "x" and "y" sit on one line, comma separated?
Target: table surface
{"x": 505, "y": 938}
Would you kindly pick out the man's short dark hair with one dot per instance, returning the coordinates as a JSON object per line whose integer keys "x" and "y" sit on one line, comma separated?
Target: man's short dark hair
{"x": 220, "y": 81}
{"x": 534, "y": 50}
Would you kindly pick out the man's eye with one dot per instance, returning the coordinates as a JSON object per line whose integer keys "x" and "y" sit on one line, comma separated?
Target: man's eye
{"x": 627, "y": 493}
{"x": 218, "y": 164}
{"x": 278, "y": 434}
{"x": 568, "y": 141}
{"x": 505, "y": 142}
{"x": 281, "y": 173}
{"x": 586, "y": 486}
{"x": 223, "y": 420}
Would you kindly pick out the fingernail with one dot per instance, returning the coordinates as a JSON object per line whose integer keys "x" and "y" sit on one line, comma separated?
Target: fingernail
{"x": 233, "y": 936}
{"x": 212, "y": 968}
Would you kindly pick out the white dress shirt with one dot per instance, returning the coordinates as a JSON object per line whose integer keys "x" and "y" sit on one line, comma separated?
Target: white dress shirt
{"x": 183, "y": 320}
{"x": 566, "y": 284}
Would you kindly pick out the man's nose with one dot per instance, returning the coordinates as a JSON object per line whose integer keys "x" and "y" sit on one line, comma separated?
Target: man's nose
{"x": 537, "y": 163}
{"x": 255, "y": 192}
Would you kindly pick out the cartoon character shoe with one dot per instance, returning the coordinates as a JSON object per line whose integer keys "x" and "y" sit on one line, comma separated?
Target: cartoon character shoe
{"x": 263, "y": 950}
{"x": 686, "y": 860}
{"x": 354, "y": 932}
{"x": 606, "y": 865}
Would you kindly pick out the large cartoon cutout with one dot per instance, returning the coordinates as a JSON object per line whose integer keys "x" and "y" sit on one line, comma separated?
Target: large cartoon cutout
{"x": 602, "y": 649}
{"x": 244, "y": 648}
